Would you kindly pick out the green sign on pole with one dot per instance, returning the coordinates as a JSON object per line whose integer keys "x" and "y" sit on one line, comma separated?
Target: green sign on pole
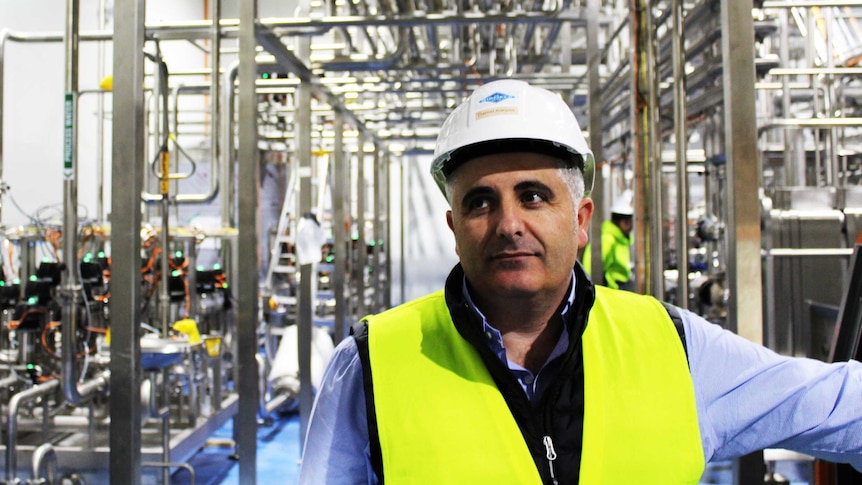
{"x": 69, "y": 137}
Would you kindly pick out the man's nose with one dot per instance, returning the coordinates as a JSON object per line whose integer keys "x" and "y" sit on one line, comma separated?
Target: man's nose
{"x": 510, "y": 222}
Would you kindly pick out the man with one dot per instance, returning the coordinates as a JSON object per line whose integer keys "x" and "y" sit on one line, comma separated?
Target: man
{"x": 521, "y": 371}
{"x": 616, "y": 244}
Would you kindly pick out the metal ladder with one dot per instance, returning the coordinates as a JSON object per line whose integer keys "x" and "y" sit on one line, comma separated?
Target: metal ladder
{"x": 281, "y": 261}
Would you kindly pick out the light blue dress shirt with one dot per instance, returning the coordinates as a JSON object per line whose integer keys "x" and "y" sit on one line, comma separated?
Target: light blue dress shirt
{"x": 748, "y": 398}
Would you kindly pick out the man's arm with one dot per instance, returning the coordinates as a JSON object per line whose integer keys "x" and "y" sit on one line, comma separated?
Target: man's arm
{"x": 750, "y": 398}
{"x": 336, "y": 447}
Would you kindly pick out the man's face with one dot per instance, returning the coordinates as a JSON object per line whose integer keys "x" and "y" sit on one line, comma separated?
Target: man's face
{"x": 517, "y": 231}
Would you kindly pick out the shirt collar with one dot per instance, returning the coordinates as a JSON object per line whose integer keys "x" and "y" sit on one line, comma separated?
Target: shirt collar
{"x": 493, "y": 337}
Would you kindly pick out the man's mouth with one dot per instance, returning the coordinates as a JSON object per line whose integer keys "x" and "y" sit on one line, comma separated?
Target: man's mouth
{"x": 509, "y": 255}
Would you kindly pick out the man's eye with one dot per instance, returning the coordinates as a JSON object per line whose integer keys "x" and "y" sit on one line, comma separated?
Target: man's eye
{"x": 532, "y": 197}
{"x": 478, "y": 203}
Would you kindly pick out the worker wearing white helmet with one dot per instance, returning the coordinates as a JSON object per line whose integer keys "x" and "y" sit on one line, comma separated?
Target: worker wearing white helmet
{"x": 520, "y": 371}
{"x": 616, "y": 243}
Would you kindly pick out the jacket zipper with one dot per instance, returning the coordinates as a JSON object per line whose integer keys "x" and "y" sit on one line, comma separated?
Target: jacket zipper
{"x": 551, "y": 396}
{"x": 551, "y": 455}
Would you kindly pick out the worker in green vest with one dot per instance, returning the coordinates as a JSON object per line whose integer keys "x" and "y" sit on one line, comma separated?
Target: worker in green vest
{"x": 521, "y": 371}
{"x": 616, "y": 245}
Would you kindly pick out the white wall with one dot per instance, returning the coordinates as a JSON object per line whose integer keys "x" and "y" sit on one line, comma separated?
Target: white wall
{"x": 34, "y": 86}
{"x": 429, "y": 248}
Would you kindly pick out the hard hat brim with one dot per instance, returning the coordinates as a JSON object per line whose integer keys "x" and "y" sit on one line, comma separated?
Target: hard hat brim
{"x": 446, "y": 164}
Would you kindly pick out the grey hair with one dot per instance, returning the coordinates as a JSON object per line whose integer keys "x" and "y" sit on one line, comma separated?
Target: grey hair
{"x": 571, "y": 176}
{"x": 574, "y": 180}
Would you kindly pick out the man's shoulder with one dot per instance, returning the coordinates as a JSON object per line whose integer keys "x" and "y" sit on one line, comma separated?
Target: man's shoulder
{"x": 413, "y": 305}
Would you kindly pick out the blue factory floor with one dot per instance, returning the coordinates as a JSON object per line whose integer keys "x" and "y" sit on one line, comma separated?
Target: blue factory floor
{"x": 277, "y": 456}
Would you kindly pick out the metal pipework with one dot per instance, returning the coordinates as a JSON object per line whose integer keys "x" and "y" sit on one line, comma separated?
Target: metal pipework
{"x": 552, "y": 35}
{"x": 810, "y": 123}
{"x": 214, "y": 179}
{"x": 381, "y": 63}
{"x": 215, "y": 95}
{"x": 421, "y": 18}
{"x": 70, "y": 288}
{"x": 811, "y": 3}
{"x": 803, "y": 252}
{"x": 44, "y": 457}
{"x": 9, "y": 380}
{"x": 12, "y": 422}
{"x": 228, "y": 154}
{"x": 527, "y": 44}
{"x": 680, "y": 125}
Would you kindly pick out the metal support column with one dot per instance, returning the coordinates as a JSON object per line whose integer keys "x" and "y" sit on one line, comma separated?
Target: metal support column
{"x": 245, "y": 423}
{"x": 127, "y": 155}
{"x": 387, "y": 231}
{"x": 652, "y": 203}
{"x": 740, "y": 128}
{"x": 340, "y": 214}
{"x": 377, "y": 229}
{"x": 307, "y": 276}
{"x": 361, "y": 260}
{"x": 594, "y": 59}
{"x": 681, "y": 132}
{"x": 743, "y": 215}
{"x": 648, "y": 241}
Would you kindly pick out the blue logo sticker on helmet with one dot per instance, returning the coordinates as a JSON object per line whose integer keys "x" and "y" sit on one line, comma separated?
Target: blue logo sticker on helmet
{"x": 495, "y": 98}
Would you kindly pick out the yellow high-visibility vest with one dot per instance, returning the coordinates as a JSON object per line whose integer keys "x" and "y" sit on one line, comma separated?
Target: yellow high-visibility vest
{"x": 441, "y": 418}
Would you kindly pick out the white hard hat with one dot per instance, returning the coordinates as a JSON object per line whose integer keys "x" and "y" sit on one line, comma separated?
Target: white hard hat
{"x": 511, "y": 116}
{"x": 623, "y": 204}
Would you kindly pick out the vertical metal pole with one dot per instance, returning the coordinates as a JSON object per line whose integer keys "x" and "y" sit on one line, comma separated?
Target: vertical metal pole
{"x": 361, "y": 245}
{"x": 597, "y": 271}
{"x": 652, "y": 143}
{"x": 832, "y": 103}
{"x": 740, "y": 128}
{"x": 305, "y": 312}
{"x": 128, "y": 131}
{"x": 402, "y": 219}
{"x": 215, "y": 133}
{"x": 229, "y": 246}
{"x": 387, "y": 230}
{"x": 71, "y": 286}
{"x": 680, "y": 124}
{"x": 228, "y": 153}
{"x": 100, "y": 123}
{"x": 745, "y": 312}
{"x": 340, "y": 181}
{"x": 377, "y": 229}
{"x": 215, "y": 89}
{"x": 247, "y": 281}
{"x": 641, "y": 135}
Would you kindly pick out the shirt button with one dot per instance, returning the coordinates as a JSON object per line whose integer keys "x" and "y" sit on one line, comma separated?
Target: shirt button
{"x": 528, "y": 379}
{"x": 489, "y": 335}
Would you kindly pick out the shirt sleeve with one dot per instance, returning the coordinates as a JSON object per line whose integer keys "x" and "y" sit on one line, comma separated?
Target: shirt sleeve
{"x": 337, "y": 450}
{"x": 750, "y": 398}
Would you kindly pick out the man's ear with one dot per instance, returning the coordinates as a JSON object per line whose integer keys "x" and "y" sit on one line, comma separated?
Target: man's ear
{"x": 452, "y": 228}
{"x": 585, "y": 215}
